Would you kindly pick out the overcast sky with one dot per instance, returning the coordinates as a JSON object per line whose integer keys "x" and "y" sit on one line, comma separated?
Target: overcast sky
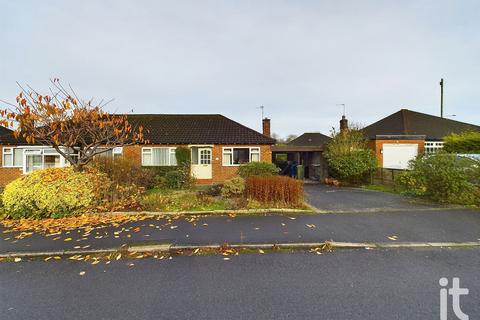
{"x": 297, "y": 58}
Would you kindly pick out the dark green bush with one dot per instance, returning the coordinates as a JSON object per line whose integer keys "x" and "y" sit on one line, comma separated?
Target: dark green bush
{"x": 349, "y": 158}
{"x": 444, "y": 178}
{"x": 183, "y": 155}
{"x": 263, "y": 169}
{"x": 466, "y": 142}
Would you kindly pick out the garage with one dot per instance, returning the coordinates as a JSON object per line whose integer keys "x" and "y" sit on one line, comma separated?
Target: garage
{"x": 397, "y": 156}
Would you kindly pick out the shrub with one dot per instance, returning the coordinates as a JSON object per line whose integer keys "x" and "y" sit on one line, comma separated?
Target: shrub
{"x": 183, "y": 156}
{"x": 466, "y": 142}
{"x": 124, "y": 171}
{"x": 444, "y": 178}
{"x": 53, "y": 193}
{"x": 212, "y": 191}
{"x": 275, "y": 190}
{"x": 349, "y": 157}
{"x": 233, "y": 187}
{"x": 263, "y": 169}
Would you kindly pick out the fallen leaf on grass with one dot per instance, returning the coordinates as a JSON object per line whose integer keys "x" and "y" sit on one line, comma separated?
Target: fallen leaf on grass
{"x": 261, "y": 251}
{"x": 17, "y": 259}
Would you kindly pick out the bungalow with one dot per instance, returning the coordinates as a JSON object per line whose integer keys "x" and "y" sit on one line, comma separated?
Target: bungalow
{"x": 401, "y": 136}
{"x": 218, "y": 144}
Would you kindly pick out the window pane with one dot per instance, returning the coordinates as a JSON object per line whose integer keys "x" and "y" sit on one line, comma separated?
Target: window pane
{"x": 18, "y": 157}
{"x": 147, "y": 160}
{"x": 255, "y": 157}
{"x": 227, "y": 159}
{"x": 194, "y": 155}
{"x": 173, "y": 158}
{"x": 241, "y": 155}
{"x": 160, "y": 156}
{"x": 7, "y": 160}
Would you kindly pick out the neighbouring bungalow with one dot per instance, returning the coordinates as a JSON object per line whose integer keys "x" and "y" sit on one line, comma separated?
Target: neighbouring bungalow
{"x": 306, "y": 150}
{"x": 218, "y": 145}
{"x": 401, "y": 136}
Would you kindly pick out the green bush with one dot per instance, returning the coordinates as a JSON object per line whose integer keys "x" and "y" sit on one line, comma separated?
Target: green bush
{"x": 233, "y": 187}
{"x": 263, "y": 169}
{"x": 349, "y": 157}
{"x": 466, "y": 142}
{"x": 444, "y": 178}
{"x": 54, "y": 193}
{"x": 353, "y": 167}
{"x": 183, "y": 156}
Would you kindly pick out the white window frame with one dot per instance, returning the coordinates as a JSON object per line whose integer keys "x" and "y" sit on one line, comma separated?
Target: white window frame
{"x": 9, "y": 153}
{"x": 257, "y": 150}
{"x": 432, "y": 147}
{"x": 149, "y": 150}
{"x": 12, "y": 153}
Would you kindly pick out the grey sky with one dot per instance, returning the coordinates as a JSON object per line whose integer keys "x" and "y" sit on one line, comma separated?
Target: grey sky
{"x": 298, "y": 58}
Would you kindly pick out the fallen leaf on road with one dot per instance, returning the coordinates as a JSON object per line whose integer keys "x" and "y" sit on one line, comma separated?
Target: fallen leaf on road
{"x": 393, "y": 238}
{"x": 17, "y": 259}
{"x": 283, "y": 224}
{"x": 68, "y": 239}
{"x": 256, "y": 228}
{"x": 226, "y": 258}
{"x": 292, "y": 218}
{"x": 311, "y": 225}
{"x": 173, "y": 227}
{"x": 82, "y": 273}
{"x": 118, "y": 257}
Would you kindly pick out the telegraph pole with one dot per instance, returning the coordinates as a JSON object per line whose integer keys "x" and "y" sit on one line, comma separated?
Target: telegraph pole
{"x": 441, "y": 98}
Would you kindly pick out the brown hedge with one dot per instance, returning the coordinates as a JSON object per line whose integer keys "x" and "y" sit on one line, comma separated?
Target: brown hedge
{"x": 274, "y": 189}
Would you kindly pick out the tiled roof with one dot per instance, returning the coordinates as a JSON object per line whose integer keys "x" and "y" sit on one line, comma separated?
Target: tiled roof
{"x": 196, "y": 129}
{"x": 313, "y": 139}
{"x": 408, "y": 122}
{"x": 183, "y": 129}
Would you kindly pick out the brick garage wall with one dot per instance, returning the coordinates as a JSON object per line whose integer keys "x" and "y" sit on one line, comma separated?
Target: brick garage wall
{"x": 220, "y": 173}
{"x": 7, "y": 174}
{"x": 377, "y": 146}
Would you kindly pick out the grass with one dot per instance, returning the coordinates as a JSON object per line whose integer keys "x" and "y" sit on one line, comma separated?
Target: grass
{"x": 168, "y": 200}
{"x": 381, "y": 187}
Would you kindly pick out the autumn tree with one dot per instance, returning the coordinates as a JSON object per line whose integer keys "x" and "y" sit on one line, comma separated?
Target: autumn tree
{"x": 77, "y": 129}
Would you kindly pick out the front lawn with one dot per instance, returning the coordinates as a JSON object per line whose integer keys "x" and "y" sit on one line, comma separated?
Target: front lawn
{"x": 200, "y": 198}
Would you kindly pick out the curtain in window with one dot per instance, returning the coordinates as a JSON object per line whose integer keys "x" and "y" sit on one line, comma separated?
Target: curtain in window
{"x": 160, "y": 156}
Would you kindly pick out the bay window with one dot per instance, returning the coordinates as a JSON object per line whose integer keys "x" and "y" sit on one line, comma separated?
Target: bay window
{"x": 233, "y": 156}
{"x": 158, "y": 156}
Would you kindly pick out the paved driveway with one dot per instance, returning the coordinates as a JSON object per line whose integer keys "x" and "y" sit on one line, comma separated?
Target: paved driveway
{"x": 338, "y": 199}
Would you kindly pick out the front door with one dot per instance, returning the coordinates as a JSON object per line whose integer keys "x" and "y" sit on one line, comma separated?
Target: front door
{"x": 202, "y": 167}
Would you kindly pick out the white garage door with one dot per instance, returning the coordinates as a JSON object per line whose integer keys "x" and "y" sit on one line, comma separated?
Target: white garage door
{"x": 397, "y": 155}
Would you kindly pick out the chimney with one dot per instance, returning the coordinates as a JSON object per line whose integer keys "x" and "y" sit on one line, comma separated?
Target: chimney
{"x": 266, "y": 127}
{"x": 343, "y": 125}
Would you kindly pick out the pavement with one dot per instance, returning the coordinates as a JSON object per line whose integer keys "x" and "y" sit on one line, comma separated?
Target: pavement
{"x": 359, "y": 284}
{"x": 377, "y": 218}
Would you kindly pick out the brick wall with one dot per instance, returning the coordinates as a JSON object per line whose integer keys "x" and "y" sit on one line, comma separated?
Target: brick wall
{"x": 377, "y": 146}
{"x": 7, "y": 174}
{"x": 219, "y": 172}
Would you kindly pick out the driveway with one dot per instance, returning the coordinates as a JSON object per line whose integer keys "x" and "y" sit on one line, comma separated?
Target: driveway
{"x": 339, "y": 199}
